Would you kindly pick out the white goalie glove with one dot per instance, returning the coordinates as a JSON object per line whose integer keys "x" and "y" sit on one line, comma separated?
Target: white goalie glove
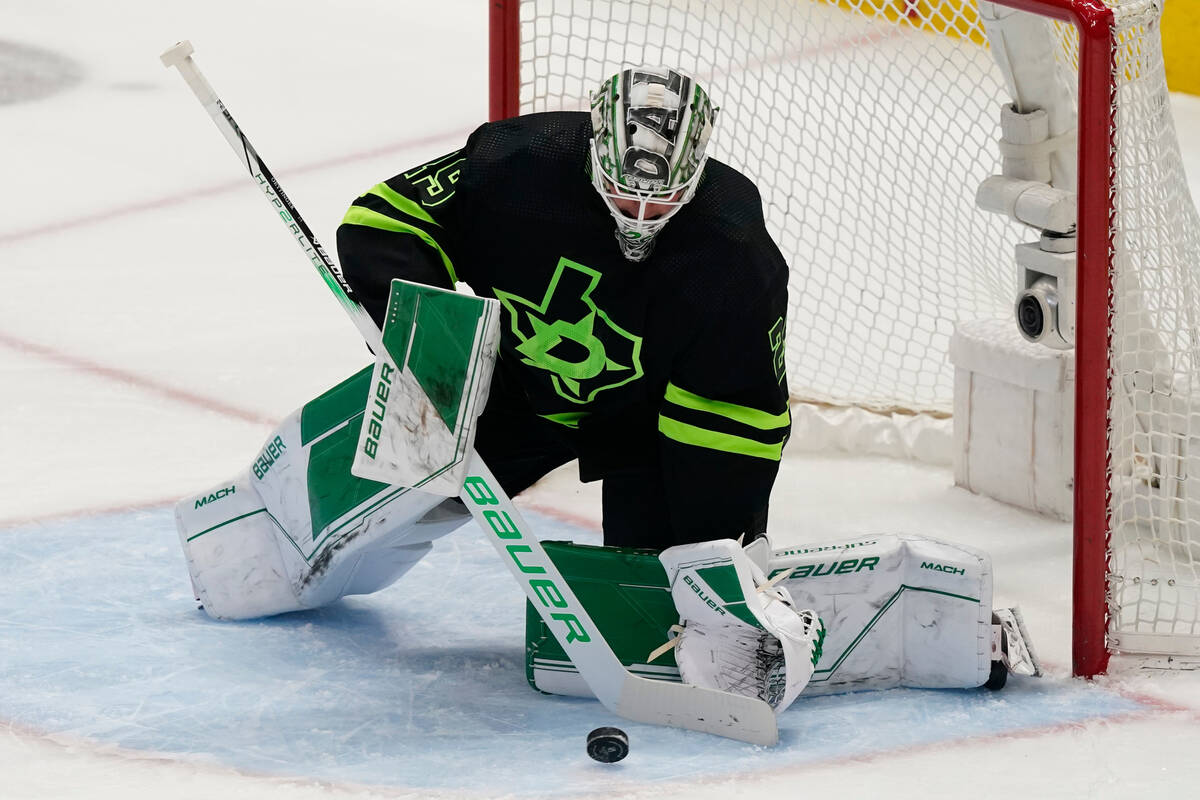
{"x": 738, "y": 633}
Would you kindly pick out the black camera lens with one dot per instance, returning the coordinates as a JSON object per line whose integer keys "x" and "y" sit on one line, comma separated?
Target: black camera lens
{"x": 1030, "y": 317}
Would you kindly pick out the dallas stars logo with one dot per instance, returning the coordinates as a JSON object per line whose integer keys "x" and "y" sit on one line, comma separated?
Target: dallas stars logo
{"x": 584, "y": 351}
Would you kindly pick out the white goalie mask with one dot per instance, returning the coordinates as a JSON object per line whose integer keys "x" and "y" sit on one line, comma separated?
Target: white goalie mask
{"x": 650, "y": 126}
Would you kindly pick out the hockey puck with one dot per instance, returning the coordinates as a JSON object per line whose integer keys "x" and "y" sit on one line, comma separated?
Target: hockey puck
{"x": 607, "y": 744}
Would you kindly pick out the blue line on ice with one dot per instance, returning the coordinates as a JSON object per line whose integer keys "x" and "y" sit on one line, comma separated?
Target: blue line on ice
{"x": 419, "y": 686}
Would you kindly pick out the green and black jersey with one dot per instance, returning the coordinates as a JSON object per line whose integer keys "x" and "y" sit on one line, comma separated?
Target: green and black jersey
{"x": 675, "y": 362}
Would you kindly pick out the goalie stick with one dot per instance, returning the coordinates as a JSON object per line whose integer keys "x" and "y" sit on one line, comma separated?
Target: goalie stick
{"x": 747, "y": 719}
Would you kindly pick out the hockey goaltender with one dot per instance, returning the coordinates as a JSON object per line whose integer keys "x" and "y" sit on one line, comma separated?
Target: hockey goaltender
{"x": 640, "y": 332}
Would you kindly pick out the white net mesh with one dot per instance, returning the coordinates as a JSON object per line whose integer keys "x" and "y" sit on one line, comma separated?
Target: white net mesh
{"x": 1155, "y": 357}
{"x": 867, "y": 133}
{"x": 868, "y": 125}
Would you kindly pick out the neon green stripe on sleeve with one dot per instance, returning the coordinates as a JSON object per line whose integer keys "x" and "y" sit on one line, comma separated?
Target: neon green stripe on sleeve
{"x": 726, "y": 443}
{"x": 357, "y": 215}
{"x": 743, "y": 414}
{"x": 400, "y": 202}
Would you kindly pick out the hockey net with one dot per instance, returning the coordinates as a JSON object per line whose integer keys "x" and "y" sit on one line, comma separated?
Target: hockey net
{"x": 868, "y": 126}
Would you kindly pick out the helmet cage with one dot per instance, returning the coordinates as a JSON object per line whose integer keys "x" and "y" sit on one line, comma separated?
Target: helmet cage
{"x": 639, "y": 226}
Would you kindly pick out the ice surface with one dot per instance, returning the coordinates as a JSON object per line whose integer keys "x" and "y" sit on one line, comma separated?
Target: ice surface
{"x": 154, "y": 320}
{"x": 418, "y": 686}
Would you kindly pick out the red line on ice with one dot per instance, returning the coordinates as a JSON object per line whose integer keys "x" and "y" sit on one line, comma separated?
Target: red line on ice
{"x": 561, "y": 514}
{"x": 142, "y": 382}
{"x": 107, "y": 215}
{"x": 132, "y": 379}
{"x": 1156, "y": 712}
{"x": 77, "y": 513}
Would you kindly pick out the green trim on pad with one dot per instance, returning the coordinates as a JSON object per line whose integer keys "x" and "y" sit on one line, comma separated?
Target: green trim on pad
{"x": 334, "y": 407}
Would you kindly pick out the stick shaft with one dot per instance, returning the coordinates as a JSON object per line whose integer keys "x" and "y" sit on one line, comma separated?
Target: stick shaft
{"x": 180, "y": 57}
{"x": 542, "y": 582}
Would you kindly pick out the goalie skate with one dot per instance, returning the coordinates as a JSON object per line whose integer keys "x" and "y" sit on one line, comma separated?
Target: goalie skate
{"x": 1012, "y": 649}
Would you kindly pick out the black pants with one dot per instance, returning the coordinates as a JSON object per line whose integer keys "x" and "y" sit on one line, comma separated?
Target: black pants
{"x": 521, "y": 447}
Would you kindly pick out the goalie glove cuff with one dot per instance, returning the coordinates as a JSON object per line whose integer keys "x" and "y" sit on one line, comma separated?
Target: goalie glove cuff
{"x": 739, "y": 633}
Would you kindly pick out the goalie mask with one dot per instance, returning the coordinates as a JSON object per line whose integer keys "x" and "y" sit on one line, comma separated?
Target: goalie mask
{"x": 650, "y": 126}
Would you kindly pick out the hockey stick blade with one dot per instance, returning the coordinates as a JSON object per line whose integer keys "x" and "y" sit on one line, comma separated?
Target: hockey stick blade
{"x": 638, "y": 699}
{"x": 680, "y": 705}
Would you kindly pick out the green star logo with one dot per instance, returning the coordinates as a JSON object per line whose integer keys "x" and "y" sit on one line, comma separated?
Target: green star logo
{"x": 572, "y": 339}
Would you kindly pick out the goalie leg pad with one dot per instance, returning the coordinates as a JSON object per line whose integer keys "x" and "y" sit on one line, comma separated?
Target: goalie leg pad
{"x": 739, "y": 634}
{"x": 299, "y": 531}
{"x": 901, "y": 610}
{"x": 236, "y": 566}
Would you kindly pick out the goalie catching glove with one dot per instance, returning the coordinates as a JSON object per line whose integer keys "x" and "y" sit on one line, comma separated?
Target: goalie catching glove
{"x": 738, "y": 632}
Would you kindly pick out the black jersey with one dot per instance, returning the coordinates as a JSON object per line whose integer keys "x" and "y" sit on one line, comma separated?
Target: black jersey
{"x": 674, "y": 362}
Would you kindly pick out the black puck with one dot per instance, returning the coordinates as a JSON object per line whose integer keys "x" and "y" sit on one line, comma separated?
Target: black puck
{"x": 607, "y": 744}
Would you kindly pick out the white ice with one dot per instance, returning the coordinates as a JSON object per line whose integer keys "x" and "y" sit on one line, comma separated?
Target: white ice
{"x": 155, "y": 321}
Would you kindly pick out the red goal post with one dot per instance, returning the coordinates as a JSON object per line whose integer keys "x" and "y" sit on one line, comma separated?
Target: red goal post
{"x": 1094, "y": 50}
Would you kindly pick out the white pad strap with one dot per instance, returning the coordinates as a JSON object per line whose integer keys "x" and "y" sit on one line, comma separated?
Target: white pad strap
{"x": 672, "y": 640}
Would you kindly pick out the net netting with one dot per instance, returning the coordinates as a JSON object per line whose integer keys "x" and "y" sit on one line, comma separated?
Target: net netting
{"x": 1154, "y": 435}
{"x": 868, "y": 126}
{"x": 867, "y": 132}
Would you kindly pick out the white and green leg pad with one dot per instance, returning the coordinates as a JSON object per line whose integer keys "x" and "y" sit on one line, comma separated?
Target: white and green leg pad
{"x": 898, "y": 610}
{"x": 901, "y": 610}
{"x": 299, "y": 528}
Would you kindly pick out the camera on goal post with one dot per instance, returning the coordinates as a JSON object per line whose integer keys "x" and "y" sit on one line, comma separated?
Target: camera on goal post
{"x": 1026, "y": 193}
{"x": 1045, "y": 306}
